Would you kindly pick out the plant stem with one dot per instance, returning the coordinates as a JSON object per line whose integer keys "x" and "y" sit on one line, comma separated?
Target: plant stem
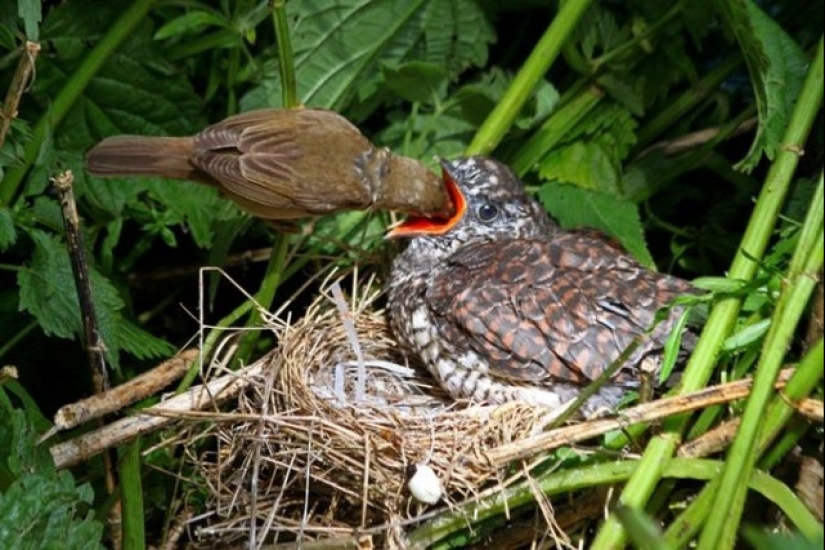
{"x": 500, "y": 120}
{"x": 71, "y": 91}
{"x": 803, "y": 381}
{"x": 131, "y": 491}
{"x": 591, "y": 475}
{"x": 722, "y": 317}
{"x": 286, "y": 59}
{"x": 806, "y": 261}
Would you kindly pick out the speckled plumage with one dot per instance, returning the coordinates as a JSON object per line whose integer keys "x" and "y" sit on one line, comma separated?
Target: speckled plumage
{"x": 516, "y": 308}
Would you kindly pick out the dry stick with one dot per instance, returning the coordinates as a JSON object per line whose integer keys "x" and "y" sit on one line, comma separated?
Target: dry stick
{"x": 120, "y": 397}
{"x": 95, "y": 347}
{"x": 721, "y": 436}
{"x": 646, "y": 412}
{"x": 74, "y": 239}
{"x": 74, "y": 451}
{"x": 20, "y": 84}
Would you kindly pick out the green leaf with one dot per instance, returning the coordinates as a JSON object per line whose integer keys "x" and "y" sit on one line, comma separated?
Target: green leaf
{"x": 748, "y": 335}
{"x": 48, "y": 292}
{"x": 576, "y": 207}
{"x": 40, "y": 507}
{"x": 777, "y": 67}
{"x": 340, "y": 48}
{"x": 189, "y": 23}
{"x": 31, "y": 14}
{"x": 585, "y": 164}
{"x": 760, "y": 539}
{"x": 416, "y": 81}
{"x": 8, "y": 234}
{"x": 143, "y": 345}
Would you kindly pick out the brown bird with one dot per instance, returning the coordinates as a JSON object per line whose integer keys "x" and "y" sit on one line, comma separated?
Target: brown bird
{"x": 501, "y": 304}
{"x": 281, "y": 164}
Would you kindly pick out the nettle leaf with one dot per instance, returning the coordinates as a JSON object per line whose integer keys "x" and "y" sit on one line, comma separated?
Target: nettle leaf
{"x": 48, "y": 292}
{"x": 594, "y": 150}
{"x": 40, "y": 507}
{"x": 586, "y": 164}
{"x": 777, "y": 67}
{"x": 575, "y": 207}
{"x": 340, "y": 48}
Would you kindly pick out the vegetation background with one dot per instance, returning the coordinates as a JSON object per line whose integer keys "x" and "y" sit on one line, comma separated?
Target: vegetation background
{"x": 677, "y": 127}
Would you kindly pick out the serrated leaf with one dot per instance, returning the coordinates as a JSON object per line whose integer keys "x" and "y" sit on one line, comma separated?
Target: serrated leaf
{"x": 777, "y": 67}
{"x": 40, "y": 507}
{"x": 585, "y": 164}
{"x": 48, "y": 292}
{"x": 575, "y": 207}
{"x": 340, "y": 48}
{"x": 143, "y": 345}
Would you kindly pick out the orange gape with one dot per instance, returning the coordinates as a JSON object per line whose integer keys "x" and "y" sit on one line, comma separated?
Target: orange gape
{"x": 281, "y": 164}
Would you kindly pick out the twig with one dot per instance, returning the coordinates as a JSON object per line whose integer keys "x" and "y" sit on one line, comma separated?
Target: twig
{"x": 122, "y": 396}
{"x": 20, "y": 84}
{"x": 95, "y": 346}
{"x": 74, "y": 451}
{"x": 646, "y": 412}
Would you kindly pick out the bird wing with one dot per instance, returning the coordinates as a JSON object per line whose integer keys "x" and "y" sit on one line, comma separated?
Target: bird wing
{"x": 561, "y": 309}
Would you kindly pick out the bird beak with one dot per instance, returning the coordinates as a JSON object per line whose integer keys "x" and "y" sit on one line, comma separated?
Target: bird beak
{"x": 414, "y": 226}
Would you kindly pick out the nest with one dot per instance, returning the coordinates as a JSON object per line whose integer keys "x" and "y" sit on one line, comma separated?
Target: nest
{"x": 324, "y": 439}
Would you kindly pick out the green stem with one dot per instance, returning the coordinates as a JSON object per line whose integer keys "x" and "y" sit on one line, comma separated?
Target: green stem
{"x": 264, "y": 297}
{"x": 605, "y": 473}
{"x": 685, "y": 103}
{"x": 741, "y": 460}
{"x": 286, "y": 59}
{"x": 541, "y": 58}
{"x": 71, "y": 91}
{"x": 723, "y": 316}
{"x": 581, "y": 101}
{"x": 804, "y": 380}
{"x": 131, "y": 490}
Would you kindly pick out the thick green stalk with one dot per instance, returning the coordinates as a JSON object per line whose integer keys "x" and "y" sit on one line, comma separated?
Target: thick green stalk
{"x": 286, "y": 59}
{"x": 804, "y": 380}
{"x": 720, "y": 532}
{"x": 754, "y": 242}
{"x": 265, "y": 296}
{"x": 131, "y": 491}
{"x": 555, "y": 128}
{"x": 591, "y": 475}
{"x": 541, "y": 58}
{"x": 71, "y": 91}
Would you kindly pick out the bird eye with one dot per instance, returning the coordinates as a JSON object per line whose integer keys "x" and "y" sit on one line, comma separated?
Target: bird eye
{"x": 487, "y": 212}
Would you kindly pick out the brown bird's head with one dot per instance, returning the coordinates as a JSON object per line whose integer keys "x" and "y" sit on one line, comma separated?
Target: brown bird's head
{"x": 490, "y": 203}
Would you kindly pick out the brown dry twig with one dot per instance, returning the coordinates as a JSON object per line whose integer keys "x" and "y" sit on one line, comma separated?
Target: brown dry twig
{"x": 75, "y": 451}
{"x": 646, "y": 412}
{"x": 120, "y": 397}
{"x": 20, "y": 84}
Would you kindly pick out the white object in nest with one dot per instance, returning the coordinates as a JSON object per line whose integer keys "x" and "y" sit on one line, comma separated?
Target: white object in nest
{"x": 425, "y": 485}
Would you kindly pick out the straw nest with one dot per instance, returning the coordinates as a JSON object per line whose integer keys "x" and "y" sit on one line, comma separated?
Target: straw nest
{"x": 324, "y": 439}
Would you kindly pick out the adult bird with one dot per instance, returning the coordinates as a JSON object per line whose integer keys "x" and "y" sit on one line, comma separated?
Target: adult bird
{"x": 501, "y": 304}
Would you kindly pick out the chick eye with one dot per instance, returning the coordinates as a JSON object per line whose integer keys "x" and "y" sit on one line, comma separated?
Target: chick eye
{"x": 487, "y": 212}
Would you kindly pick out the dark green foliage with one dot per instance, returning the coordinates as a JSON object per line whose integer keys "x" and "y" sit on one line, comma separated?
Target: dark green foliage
{"x": 658, "y": 123}
{"x": 39, "y": 507}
